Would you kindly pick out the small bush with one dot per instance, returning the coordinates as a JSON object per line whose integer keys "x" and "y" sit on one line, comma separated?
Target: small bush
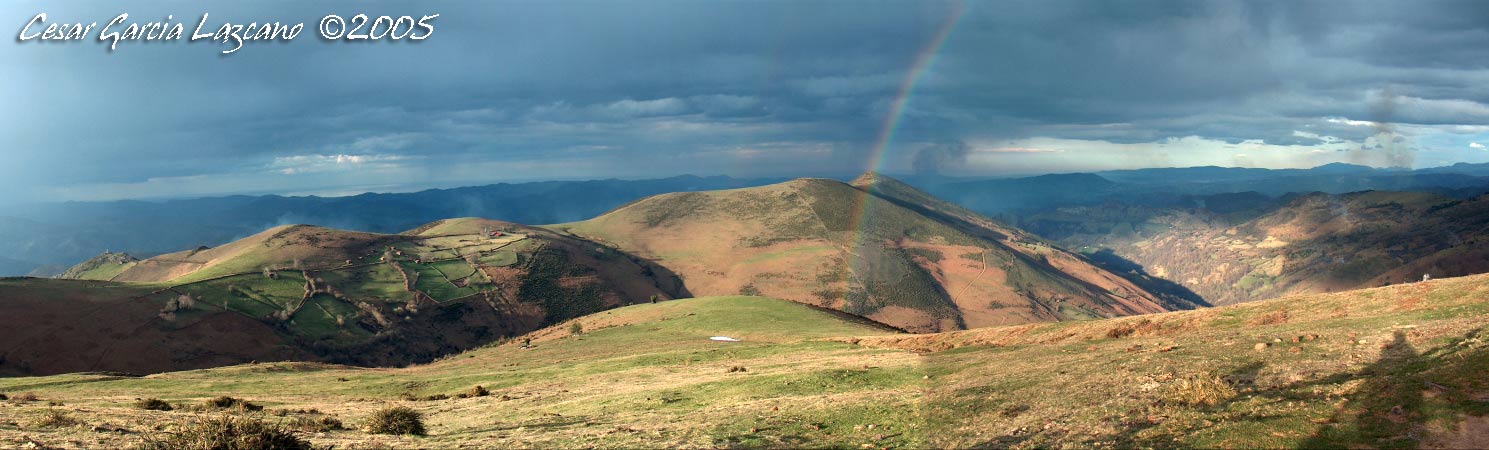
{"x": 24, "y": 398}
{"x": 225, "y": 402}
{"x": 576, "y": 329}
{"x": 316, "y": 425}
{"x": 396, "y": 420}
{"x": 154, "y": 404}
{"x": 1120, "y": 331}
{"x": 478, "y": 391}
{"x": 409, "y": 396}
{"x": 54, "y": 418}
{"x": 286, "y": 412}
{"x": 228, "y": 433}
{"x": 1201, "y": 390}
{"x": 3, "y": 397}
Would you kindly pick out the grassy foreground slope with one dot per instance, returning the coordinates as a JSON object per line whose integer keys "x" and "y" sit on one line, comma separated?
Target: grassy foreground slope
{"x": 1394, "y": 367}
{"x": 642, "y": 375}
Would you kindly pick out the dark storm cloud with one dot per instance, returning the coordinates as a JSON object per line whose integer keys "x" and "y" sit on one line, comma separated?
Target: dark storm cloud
{"x": 577, "y": 89}
{"x": 939, "y": 157}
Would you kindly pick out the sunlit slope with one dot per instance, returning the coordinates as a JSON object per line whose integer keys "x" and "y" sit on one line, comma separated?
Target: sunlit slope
{"x": 1315, "y": 243}
{"x": 103, "y": 267}
{"x": 465, "y": 225}
{"x": 1397, "y": 367}
{"x": 904, "y": 260}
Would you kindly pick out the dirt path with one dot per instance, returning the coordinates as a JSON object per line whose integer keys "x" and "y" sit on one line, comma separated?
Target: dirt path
{"x": 975, "y": 278}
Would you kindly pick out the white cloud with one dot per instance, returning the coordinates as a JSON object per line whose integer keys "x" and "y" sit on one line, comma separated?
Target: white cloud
{"x": 382, "y": 143}
{"x": 298, "y": 164}
{"x": 1017, "y": 150}
{"x": 648, "y": 108}
{"x": 1475, "y": 145}
{"x": 1353, "y": 123}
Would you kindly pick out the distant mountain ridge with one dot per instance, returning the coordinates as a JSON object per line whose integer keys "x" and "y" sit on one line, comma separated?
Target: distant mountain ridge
{"x": 44, "y": 239}
{"x": 64, "y": 234}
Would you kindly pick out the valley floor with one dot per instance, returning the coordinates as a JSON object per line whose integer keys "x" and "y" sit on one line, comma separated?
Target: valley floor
{"x": 1396, "y": 367}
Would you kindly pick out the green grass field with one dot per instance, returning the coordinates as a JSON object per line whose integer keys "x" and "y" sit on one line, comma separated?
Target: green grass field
{"x": 433, "y": 282}
{"x": 104, "y": 272}
{"x": 1397, "y": 367}
{"x": 373, "y": 283}
{"x": 253, "y": 295}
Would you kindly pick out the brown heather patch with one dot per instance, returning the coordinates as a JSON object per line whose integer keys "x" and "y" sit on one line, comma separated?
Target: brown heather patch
{"x": 1271, "y": 318}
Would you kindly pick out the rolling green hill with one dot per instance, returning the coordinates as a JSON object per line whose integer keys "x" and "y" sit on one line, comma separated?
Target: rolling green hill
{"x": 103, "y": 267}
{"x": 1393, "y": 367}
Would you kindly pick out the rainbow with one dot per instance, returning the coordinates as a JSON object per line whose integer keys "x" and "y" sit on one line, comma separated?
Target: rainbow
{"x": 923, "y": 61}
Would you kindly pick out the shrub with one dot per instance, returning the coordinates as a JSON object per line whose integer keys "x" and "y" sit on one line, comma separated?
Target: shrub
{"x": 576, "y": 329}
{"x": 396, "y": 420}
{"x": 225, "y": 402}
{"x": 316, "y": 425}
{"x": 228, "y": 433}
{"x": 54, "y": 418}
{"x": 1120, "y": 331}
{"x": 409, "y": 396}
{"x": 24, "y": 398}
{"x": 478, "y": 391}
{"x": 154, "y": 404}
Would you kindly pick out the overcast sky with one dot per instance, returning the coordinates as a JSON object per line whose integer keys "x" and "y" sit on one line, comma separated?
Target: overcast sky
{"x": 565, "y": 89}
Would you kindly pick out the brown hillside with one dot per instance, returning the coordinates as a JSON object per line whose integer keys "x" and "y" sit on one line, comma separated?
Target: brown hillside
{"x": 282, "y": 247}
{"x": 1316, "y": 243}
{"x": 907, "y": 260}
{"x": 60, "y": 326}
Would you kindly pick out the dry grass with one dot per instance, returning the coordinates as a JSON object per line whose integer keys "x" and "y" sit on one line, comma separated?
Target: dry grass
{"x": 25, "y": 397}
